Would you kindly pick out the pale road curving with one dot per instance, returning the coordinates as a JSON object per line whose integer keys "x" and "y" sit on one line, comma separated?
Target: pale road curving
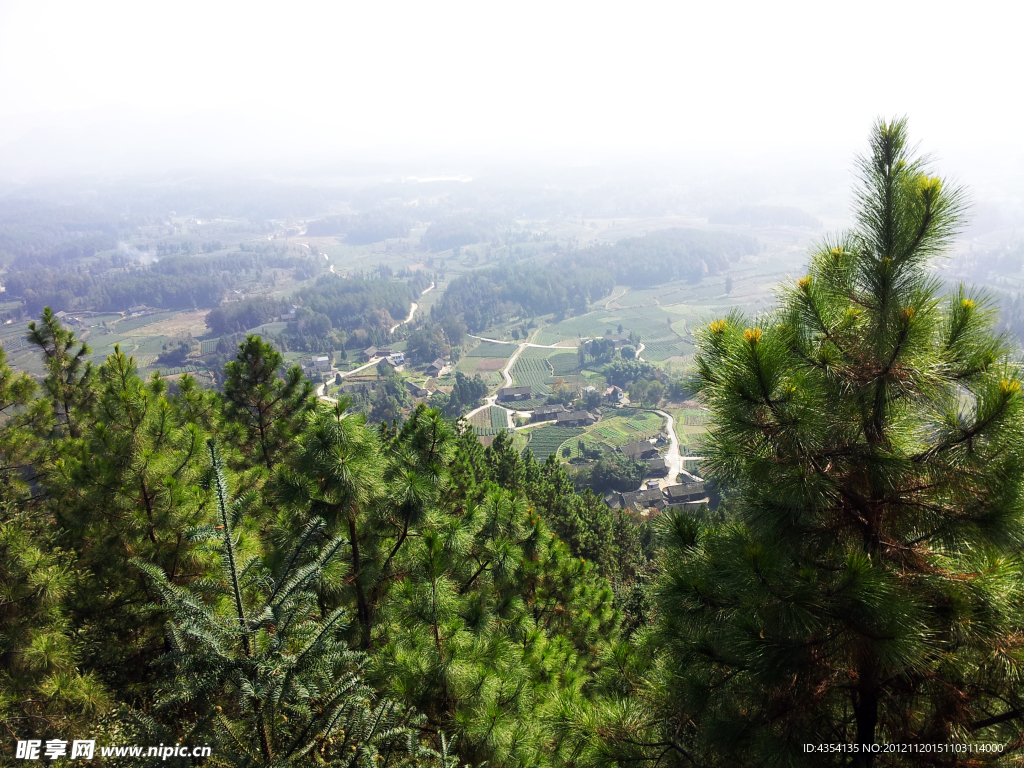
{"x": 412, "y": 310}
{"x": 638, "y": 351}
{"x": 521, "y": 343}
{"x": 507, "y": 373}
{"x": 673, "y": 458}
{"x": 320, "y": 390}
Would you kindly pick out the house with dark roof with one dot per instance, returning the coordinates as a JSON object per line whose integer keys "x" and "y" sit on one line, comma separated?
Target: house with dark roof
{"x": 416, "y": 390}
{"x": 509, "y": 394}
{"x": 575, "y": 419}
{"x": 650, "y": 498}
{"x": 368, "y": 354}
{"x": 657, "y": 467}
{"x": 685, "y": 493}
{"x": 437, "y": 368}
{"x": 547, "y": 412}
{"x": 639, "y": 451}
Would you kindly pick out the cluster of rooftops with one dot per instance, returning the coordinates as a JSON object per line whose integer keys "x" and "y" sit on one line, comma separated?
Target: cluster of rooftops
{"x": 653, "y": 499}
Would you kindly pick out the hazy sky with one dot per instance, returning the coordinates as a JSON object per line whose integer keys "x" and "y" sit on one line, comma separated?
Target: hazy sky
{"x": 297, "y": 79}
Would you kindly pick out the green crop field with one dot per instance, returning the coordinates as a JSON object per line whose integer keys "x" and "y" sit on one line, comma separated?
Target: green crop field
{"x": 133, "y": 323}
{"x": 625, "y": 426}
{"x": 564, "y": 363}
{"x": 499, "y": 418}
{"x": 490, "y": 349}
{"x": 547, "y": 440}
{"x": 532, "y": 372}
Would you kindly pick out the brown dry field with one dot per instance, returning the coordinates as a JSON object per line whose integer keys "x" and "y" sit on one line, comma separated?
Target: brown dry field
{"x": 194, "y": 322}
{"x": 491, "y": 364}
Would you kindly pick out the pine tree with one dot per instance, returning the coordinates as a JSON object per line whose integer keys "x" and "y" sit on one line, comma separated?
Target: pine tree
{"x": 870, "y": 590}
{"x": 128, "y": 488}
{"x": 261, "y": 669}
{"x": 41, "y": 689}
{"x": 336, "y": 476}
{"x": 266, "y": 408}
{"x": 23, "y": 420}
{"x": 68, "y": 371}
{"x": 489, "y": 628}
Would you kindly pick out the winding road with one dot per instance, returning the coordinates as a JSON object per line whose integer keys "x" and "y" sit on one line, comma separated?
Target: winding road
{"x": 412, "y": 311}
{"x": 320, "y": 390}
{"x": 507, "y": 373}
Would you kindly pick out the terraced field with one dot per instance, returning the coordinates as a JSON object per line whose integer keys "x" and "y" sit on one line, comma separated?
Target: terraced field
{"x": 616, "y": 430}
{"x": 564, "y": 363}
{"x": 533, "y": 372}
{"x": 547, "y": 440}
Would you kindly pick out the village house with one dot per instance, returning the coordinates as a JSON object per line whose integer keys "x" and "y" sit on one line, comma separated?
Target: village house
{"x": 689, "y": 494}
{"x": 685, "y": 494}
{"x": 547, "y": 412}
{"x": 639, "y": 451}
{"x": 509, "y": 394}
{"x": 368, "y": 354}
{"x": 416, "y": 390}
{"x": 650, "y": 498}
{"x": 438, "y": 368}
{"x": 657, "y": 467}
{"x": 615, "y": 395}
{"x": 620, "y": 339}
{"x": 575, "y": 419}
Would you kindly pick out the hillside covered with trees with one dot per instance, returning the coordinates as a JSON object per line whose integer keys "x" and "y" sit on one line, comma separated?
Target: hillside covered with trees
{"x": 260, "y": 572}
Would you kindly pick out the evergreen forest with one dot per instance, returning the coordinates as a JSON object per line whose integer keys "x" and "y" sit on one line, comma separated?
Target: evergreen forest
{"x": 266, "y": 573}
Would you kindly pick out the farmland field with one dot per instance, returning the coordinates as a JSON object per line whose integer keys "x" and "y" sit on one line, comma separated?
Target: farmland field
{"x": 490, "y": 349}
{"x": 547, "y": 440}
{"x": 625, "y": 426}
{"x": 490, "y": 418}
{"x": 533, "y": 372}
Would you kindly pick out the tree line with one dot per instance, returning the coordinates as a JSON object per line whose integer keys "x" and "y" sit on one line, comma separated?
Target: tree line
{"x": 174, "y": 282}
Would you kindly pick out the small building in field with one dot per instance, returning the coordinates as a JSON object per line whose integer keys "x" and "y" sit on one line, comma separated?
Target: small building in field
{"x": 615, "y": 395}
{"x": 368, "y": 354}
{"x": 510, "y": 394}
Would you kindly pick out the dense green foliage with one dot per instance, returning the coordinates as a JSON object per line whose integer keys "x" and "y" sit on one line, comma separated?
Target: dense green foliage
{"x": 868, "y": 586}
{"x": 362, "y": 596}
{"x": 457, "y": 231}
{"x": 663, "y": 256}
{"x": 267, "y": 574}
{"x": 332, "y": 302}
{"x": 174, "y": 282}
{"x": 484, "y": 297}
{"x": 360, "y": 229}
